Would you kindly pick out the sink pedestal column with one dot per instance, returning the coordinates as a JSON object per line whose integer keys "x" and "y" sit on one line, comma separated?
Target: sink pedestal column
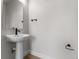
{"x": 19, "y": 50}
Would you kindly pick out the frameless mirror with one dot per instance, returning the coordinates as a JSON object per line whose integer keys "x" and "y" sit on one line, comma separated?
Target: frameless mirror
{"x": 13, "y": 13}
{"x": 17, "y": 14}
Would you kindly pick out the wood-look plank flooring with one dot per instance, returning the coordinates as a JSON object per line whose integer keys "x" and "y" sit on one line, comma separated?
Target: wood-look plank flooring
{"x": 29, "y": 56}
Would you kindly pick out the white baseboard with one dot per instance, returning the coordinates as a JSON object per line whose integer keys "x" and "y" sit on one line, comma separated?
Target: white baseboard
{"x": 42, "y": 56}
{"x": 26, "y": 52}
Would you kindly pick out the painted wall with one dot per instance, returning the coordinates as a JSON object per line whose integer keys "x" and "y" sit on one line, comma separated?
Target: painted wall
{"x": 26, "y": 43}
{"x": 56, "y": 26}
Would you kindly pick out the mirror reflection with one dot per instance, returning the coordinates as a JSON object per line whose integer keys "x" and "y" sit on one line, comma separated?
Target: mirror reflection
{"x": 13, "y": 14}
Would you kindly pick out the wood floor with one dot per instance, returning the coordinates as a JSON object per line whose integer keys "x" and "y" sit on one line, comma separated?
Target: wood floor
{"x": 29, "y": 56}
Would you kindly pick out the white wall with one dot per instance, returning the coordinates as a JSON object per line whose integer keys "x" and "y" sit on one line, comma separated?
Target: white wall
{"x": 56, "y": 26}
{"x": 26, "y": 26}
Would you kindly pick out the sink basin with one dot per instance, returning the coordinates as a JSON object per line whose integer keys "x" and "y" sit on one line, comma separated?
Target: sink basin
{"x": 16, "y": 38}
{"x": 19, "y": 44}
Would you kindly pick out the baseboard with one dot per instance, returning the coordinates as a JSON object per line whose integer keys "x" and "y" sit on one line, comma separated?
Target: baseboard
{"x": 42, "y": 56}
{"x": 26, "y": 52}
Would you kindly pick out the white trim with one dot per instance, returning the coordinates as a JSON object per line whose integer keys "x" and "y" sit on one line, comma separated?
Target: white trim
{"x": 26, "y": 52}
{"x": 42, "y": 56}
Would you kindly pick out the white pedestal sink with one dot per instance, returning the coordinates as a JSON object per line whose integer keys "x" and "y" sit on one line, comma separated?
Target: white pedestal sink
{"x": 19, "y": 45}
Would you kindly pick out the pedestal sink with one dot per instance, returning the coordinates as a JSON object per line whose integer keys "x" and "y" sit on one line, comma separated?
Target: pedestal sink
{"x": 19, "y": 44}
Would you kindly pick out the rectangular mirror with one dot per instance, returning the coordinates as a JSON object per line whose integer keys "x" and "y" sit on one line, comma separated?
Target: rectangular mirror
{"x": 13, "y": 14}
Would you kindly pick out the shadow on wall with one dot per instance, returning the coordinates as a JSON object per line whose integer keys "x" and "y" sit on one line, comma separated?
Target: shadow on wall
{"x": 31, "y": 40}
